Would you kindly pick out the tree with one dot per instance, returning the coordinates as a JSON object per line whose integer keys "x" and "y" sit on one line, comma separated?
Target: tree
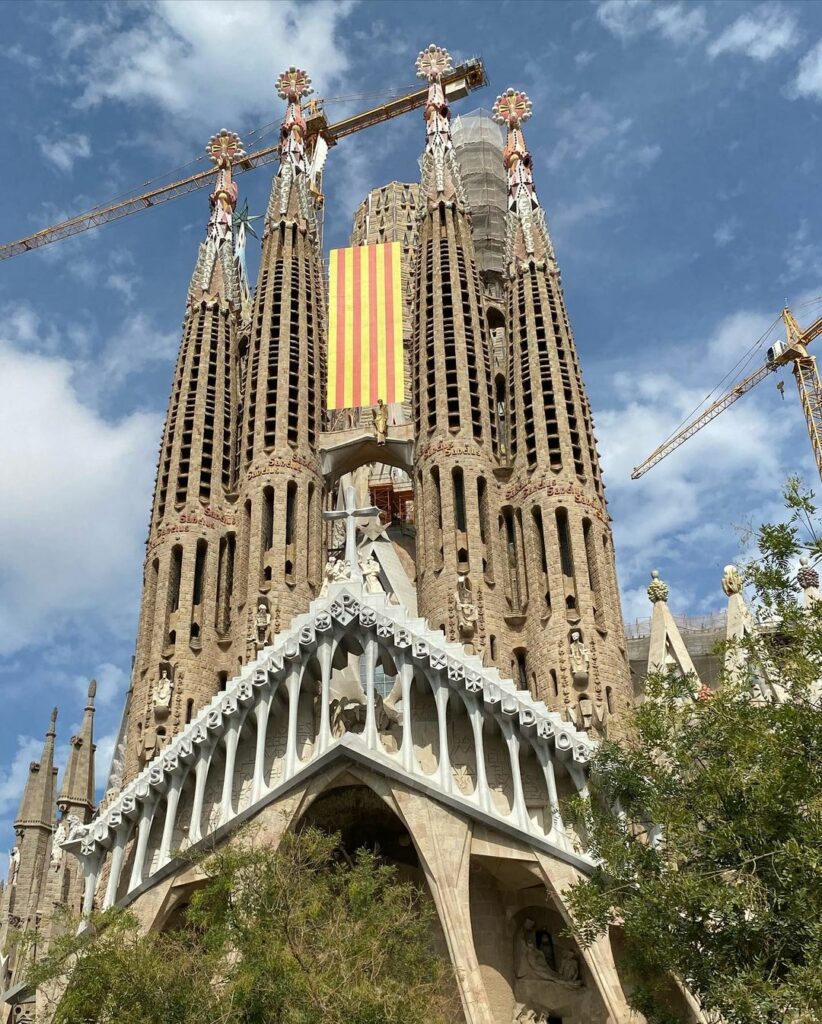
{"x": 707, "y": 819}
{"x": 303, "y": 934}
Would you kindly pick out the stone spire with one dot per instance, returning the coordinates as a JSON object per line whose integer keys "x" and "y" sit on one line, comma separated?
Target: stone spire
{"x": 185, "y": 631}
{"x": 441, "y": 179}
{"x": 666, "y": 649}
{"x": 33, "y": 827}
{"x": 571, "y": 621}
{"x": 77, "y": 791}
{"x": 218, "y": 275}
{"x": 282, "y": 380}
{"x": 527, "y": 237}
{"x": 461, "y": 559}
{"x": 37, "y": 805}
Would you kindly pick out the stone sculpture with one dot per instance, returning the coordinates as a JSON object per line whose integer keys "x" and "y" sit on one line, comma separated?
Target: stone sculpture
{"x": 60, "y": 836}
{"x": 466, "y": 610}
{"x": 370, "y": 568}
{"x": 580, "y": 659}
{"x": 731, "y": 580}
{"x": 262, "y": 624}
{"x": 381, "y": 421}
{"x": 14, "y": 865}
{"x": 162, "y": 695}
{"x": 534, "y": 958}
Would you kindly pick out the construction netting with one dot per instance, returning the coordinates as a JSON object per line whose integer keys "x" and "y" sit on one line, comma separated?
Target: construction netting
{"x": 478, "y": 145}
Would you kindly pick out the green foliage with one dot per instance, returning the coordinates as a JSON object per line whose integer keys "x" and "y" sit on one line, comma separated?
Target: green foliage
{"x": 298, "y": 935}
{"x": 724, "y": 891}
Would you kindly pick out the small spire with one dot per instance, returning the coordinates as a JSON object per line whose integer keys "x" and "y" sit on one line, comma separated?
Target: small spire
{"x": 528, "y": 233}
{"x": 292, "y": 86}
{"x": 808, "y": 578}
{"x": 77, "y": 791}
{"x": 441, "y": 176}
{"x": 657, "y": 590}
{"x": 37, "y": 805}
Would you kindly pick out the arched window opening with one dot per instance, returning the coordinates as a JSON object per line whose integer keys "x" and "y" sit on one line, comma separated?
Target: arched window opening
{"x": 189, "y": 709}
{"x": 520, "y": 668}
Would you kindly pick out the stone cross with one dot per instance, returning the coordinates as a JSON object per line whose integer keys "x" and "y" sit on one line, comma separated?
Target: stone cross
{"x": 350, "y": 513}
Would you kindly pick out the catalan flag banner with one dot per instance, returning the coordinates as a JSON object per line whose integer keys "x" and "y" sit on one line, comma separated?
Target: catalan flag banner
{"x": 365, "y": 326}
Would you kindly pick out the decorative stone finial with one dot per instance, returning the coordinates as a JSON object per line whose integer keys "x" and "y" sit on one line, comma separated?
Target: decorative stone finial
{"x": 433, "y": 62}
{"x": 731, "y": 580}
{"x": 807, "y": 577}
{"x": 293, "y": 84}
{"x": 657, "y": 590}
{"x": 225, "y": 148}
{"x": 92, "y": 689}
{"x": 512, "y": 108}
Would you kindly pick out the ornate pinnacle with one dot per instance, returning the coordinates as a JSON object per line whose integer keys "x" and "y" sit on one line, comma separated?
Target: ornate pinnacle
{"x": 657, "y": 590}
{"x": 225, "y": 148}
{"x": 731, "y": 580}
{"x": 512, "y": 108}
{"x": 293, "y": 84}
{"x": 433, "y": 62}
{"x": 807, "y": 577}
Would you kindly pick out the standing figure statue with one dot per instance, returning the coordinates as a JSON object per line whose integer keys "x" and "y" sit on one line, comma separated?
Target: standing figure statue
{"x": 466, "y": 610}
{"x": 262, "y": 624}
{"x": 381, "y": 421}
{"x": 162, "y": 694}
{"x": 370, "y": 569}
{"x": 579, "y": 657}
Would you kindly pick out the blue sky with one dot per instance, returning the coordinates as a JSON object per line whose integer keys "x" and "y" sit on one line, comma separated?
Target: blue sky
{"x": 677, "y": 155}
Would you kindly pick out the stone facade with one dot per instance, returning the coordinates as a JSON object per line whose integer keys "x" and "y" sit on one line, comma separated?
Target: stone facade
{"x": 267, "y": 687}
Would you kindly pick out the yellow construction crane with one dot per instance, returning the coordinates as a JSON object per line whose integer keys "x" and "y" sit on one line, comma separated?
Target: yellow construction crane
{"x": 458, "y": 83}
{"x": 793, "y": 350}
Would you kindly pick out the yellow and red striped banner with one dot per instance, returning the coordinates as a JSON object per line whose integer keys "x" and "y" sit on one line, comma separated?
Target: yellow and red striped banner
{"x": 365, "y": 326}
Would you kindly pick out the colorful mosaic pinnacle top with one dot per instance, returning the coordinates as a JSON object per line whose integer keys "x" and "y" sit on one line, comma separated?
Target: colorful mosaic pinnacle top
{"x": 293, "y": 84}
{"x": 225, "y": 148}
{"x": 512, "y": 108}
{"x": 433, "y": 62}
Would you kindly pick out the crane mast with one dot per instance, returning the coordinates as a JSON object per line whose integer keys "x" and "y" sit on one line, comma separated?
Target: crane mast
{"x": 458, "y": 83}
{"x": 806, "y": 373}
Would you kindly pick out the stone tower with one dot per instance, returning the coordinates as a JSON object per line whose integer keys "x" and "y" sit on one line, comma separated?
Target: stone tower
{"x": 282, "y": 381}
{"x": 561, "y": 583}
{"x": 458, "y": 554}
{"x": 33, "y": 827}
{"x": 184, "y": 642}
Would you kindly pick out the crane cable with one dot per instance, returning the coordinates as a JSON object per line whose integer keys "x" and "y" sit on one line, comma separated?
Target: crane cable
{"x": 742, "y": 362}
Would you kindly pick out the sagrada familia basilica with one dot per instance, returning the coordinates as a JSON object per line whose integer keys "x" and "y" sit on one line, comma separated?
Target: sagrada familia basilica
{"x": 403, "y": 625}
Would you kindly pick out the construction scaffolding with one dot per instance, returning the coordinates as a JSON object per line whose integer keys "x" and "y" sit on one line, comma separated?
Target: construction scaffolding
{"x": 478, "y": 145}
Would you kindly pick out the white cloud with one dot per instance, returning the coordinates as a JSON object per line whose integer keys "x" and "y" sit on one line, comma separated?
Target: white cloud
{"x": 584, "y": 58}
{"x": 802, "y": 257}
{"x": 808, "y": 80}
{"x": 589, "y": 125}
{"x": 63, "y": 152}
{"x": 679, "y": 23}
{"x": 726, "y": 232}
{"x": 760, "y": 34}
{"x": 568, "y": 215}
{"x": 75, "y": 493}
{"x": 207, "y": 64}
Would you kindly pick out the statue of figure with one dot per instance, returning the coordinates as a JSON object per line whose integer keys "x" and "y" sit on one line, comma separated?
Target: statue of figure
{"x": 162, "y": 693}
{"x": 74, "y": 825}
{"x": 579, "y": 657}
{"x": 370, "y": 568}
{"x": 525, "y": 1015}
{"x": 329, "y": 575}
{"x": 731, "y": 580}
{"x": 534, "y": 958}
{"x": 381, "y": 421}
{"x": 14, "y": 865}
{"x": 60, "y": 836}
{"x": 346, "y": 712}
{"x": 583, "y": 716}
{"x": 466, "y": 610}
{"x": 262, "y": 624}
{"x": 569, "y": 967}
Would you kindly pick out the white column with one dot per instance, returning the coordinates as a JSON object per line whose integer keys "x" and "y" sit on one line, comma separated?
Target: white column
{"x": 91, "y": 869}
{"x": 232, "y": 737}
{"x": 143, "y": 830}
{"x": 262, "y": 712}
{"x": 117, "y": 850}
{"x": 482, "y": 792}
{"x": 325, "y": 652}
{"x": 519, "y": 812}
{"x": 577, "y": 773}
{"x": 195, "y": 833}
{"x": 407, "y": 753}
{"x": 547, "y": 761}
{"x": 441, "y": 694}
{"x": 293, "y": 685}
{"x": 172, "y": 802}
{"x": 370, "y": 656}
